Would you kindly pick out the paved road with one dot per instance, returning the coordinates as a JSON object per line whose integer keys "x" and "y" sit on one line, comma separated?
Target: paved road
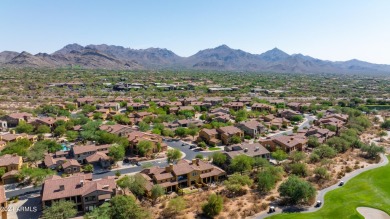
{"x": 189, "y": 155}
{"x": 321, "y": 193}
{"x": 306, "y": 123}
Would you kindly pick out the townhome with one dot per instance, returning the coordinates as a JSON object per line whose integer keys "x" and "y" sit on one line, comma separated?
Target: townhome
{"x": 321, "y": 134}
{"x": 85, "y": 100}
{"x": 235, "y": 105}
{"x": 201, "y": 104}
{"x": 226, "y": 133}
{"x": 188, "y": 100}
{"x": 117, "y": 129}
{"x": 251, "y": 128}
{"x": 245, "y": 100}
{"x": 52, "y": 162}
{"x": 294, "y": 105}
{"x": 183, "y": 174}
{"x": 80, "y": 153}
{"x": 287, "y": 143}
{"x": 86, "y": 194}
{"x": 213, "y": 100}
{"x": 251, "y": 150}
{"x": 137, "y": 136}
{"x": 71, "y": 166}
{"x": 49, "y": 121}
{"x": 209, "y": 136}
{"x": 11, "y": 164}
{"x": 288, "y": 114}
{"x": 12, "y": 137}
{"x": 112, "y": 106}
{"x": 13, "y": 119}
{"x": 138, "y": 106}
{"x": 3, "y": 203}
{"x": 262, "y": 107}
{"x": 188, "y": 123}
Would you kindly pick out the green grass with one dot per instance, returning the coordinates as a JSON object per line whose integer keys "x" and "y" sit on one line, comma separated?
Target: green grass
{"x": 369, "y": 189}
{"x": 214, "y": 149}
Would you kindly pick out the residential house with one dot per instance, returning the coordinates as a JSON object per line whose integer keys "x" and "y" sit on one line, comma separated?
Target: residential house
{"x": 226, "y": 133}
{"x": 251, "y": 128}
{"x": 288, "y": 114}
{"x": 235, "y": 105}
{"x": 117, "y": 129}
{"x": 12, "y": 137}
{"x": 138, "y": 106}
{"x": 137, "y": 136}
{"x": 52, "y": 162}
{"x": 251, "y": 150}
{"x": 86, "y": 194}
{"x": 11, "y": 164}
{"x": 84, "y": 100}
{"x": 321, "y": 134}
{"x": 80, "y": 153}
{"x": 13, "y": 119}
{"x": 213, "y": 100}
{"x": 111, "y": 106}
{"x": 245, "y": 100}
{"x": 209, "y": 136}
{"x": 71, "y": 166}
{"x": 287, "y": 143}
{"x": 262, "y": 107}
{"x": 183, "y": 174}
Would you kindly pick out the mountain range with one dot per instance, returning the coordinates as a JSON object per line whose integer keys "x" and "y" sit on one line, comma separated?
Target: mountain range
{"x": 221, "y": 58}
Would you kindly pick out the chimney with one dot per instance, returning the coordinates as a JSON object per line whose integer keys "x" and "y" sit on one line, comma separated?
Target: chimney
{"x": 197, "y": 161}
{"x": 12, "y": 131}
{"x": 193, "y": 161}
{"x": 62, "y": 187}
{"x": 105, "y": 187}
{"x": 169, "y": 168}
{"x": 81, "y": 182}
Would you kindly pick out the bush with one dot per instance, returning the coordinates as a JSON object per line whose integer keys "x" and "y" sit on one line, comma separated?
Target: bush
{"x": 213, "y": 206}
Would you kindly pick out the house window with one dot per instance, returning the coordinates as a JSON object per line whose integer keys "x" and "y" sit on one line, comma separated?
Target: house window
{"x": 194, "y": 174}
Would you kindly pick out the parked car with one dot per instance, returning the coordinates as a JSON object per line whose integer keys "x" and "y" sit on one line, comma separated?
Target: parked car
{"x": 271, "y": 209}
{"x": 341, "y": 183}
{"x": 184, "y": 144}
{"x": 138, "y": 164}
{"x": 318, "y": 204}
{"x": 192, "y": 146}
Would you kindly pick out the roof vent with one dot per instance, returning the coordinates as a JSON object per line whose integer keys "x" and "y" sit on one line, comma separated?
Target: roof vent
{"x": 105, "y": 186}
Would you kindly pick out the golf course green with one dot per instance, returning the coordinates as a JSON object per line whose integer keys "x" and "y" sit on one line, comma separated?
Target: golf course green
{"x": 368, "y": 189}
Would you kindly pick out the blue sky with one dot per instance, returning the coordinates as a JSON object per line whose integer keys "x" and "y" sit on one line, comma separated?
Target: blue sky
{"x": 326, "y": 29}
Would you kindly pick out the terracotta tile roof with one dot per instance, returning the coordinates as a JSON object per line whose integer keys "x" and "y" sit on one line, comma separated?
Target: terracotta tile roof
{"x": 229, "y": 130}
{"x": 72, "y": 186}
{"x": 10, "y": 173}
{"x": 290, "y": 141}
{"x": 71, "y": 162}
{"x": 252, "y": 124}
{"x": 84, "y": 149}
{"x": 19, "y": 115}
{"x": 251, "y": 150}
{"x": 162, "y": 176}
{"x": 214, "y": 172}
{"x": 210, "y": 131}
{"x": 8, "y": 159}
{"x": 96, "y": 157}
